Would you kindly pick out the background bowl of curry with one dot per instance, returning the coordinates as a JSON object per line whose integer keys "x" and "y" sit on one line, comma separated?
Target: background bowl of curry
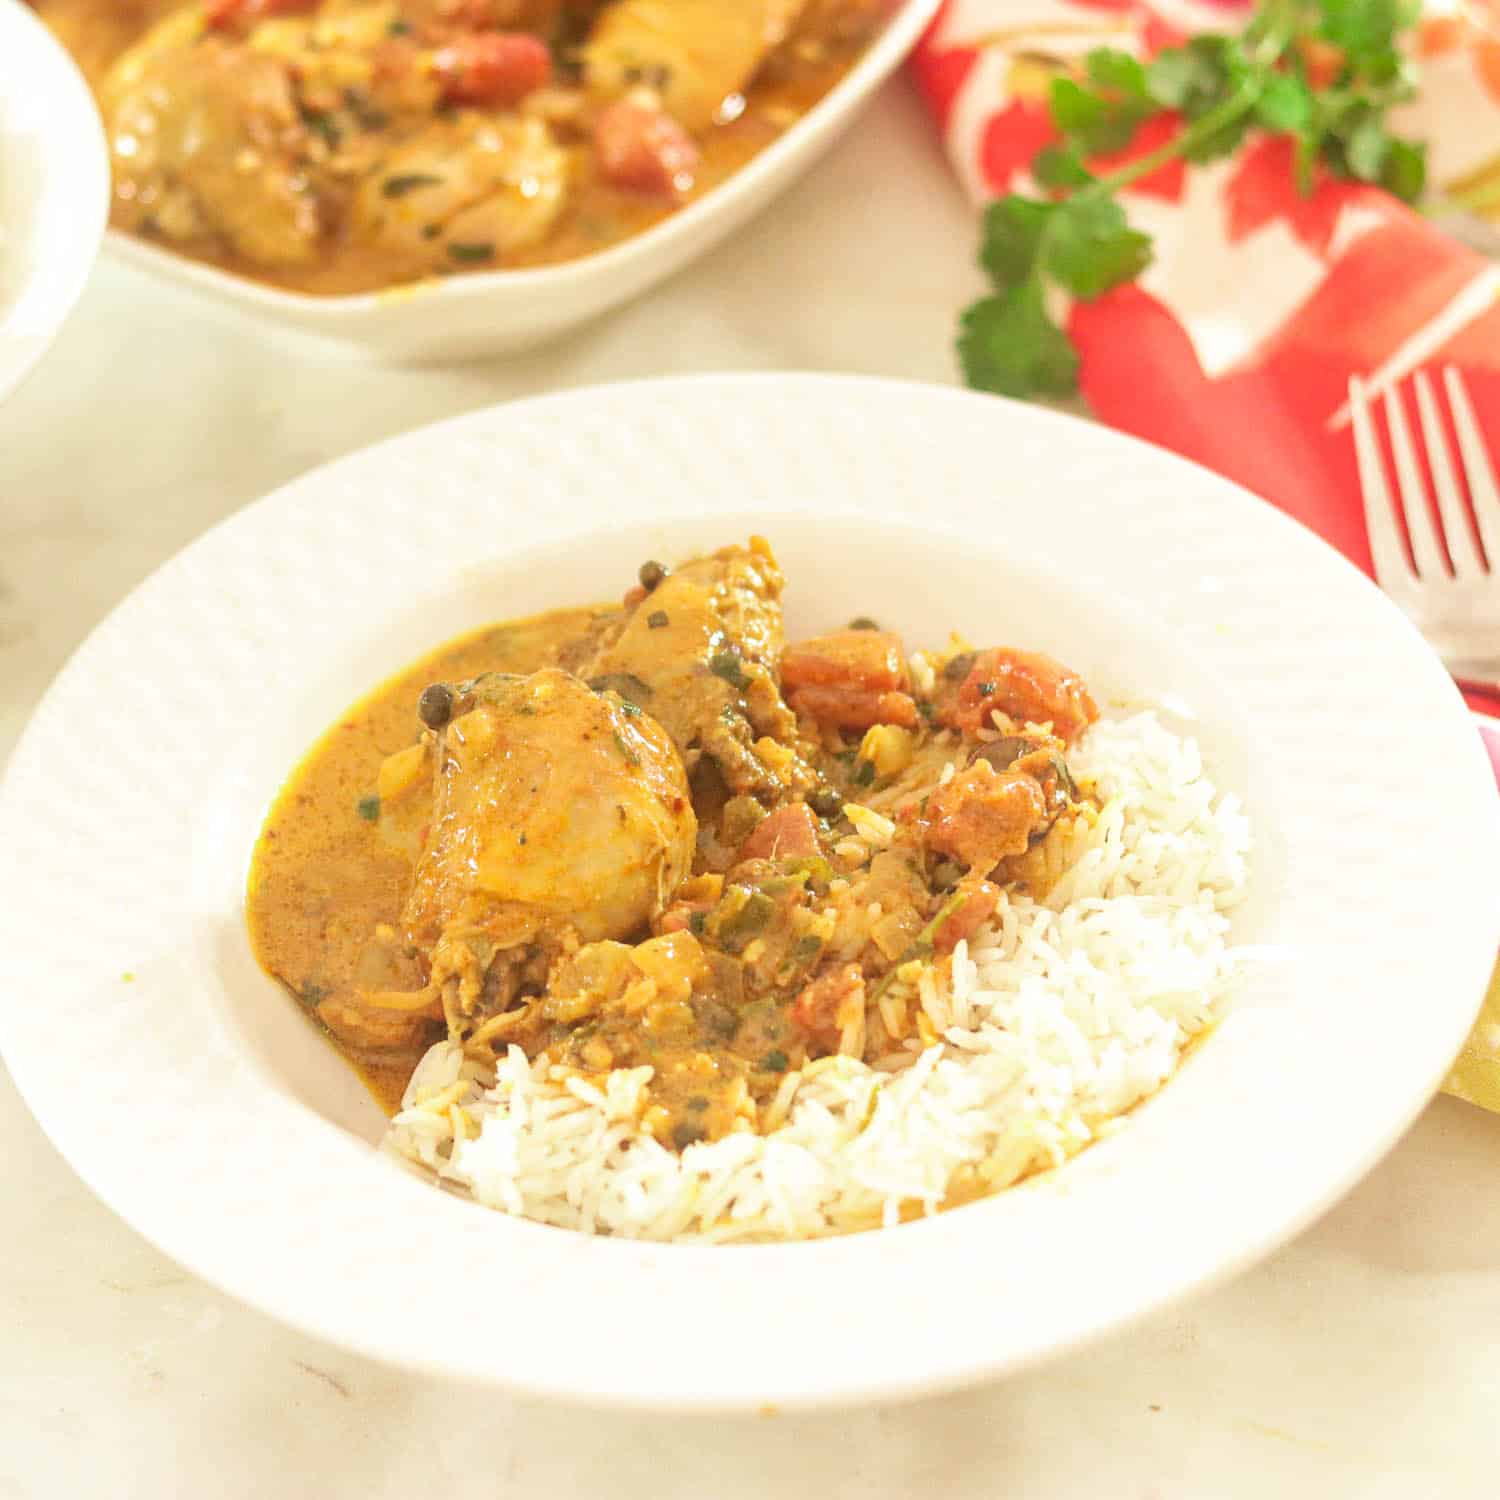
{"x": 476, "y": 312}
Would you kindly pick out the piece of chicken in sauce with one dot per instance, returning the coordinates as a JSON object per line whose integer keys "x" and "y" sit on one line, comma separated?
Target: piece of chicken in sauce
{"x": 207, "y": 140}
{"x": 699, "y": 649}
{"x": 560, "y": 815}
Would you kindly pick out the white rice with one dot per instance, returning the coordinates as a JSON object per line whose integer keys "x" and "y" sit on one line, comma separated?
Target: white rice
{"x": 1058, "y": 1017}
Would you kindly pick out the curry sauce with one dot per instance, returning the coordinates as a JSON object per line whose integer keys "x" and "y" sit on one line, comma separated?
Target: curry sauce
{"x": 333, "y": 864}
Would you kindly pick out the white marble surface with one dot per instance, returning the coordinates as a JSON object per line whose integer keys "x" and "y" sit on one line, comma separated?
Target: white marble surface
{"x": 1363, "y": 1360}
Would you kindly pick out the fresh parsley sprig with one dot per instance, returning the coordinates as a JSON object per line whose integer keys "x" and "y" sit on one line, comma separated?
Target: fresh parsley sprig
{"x": 1325, "y": 72}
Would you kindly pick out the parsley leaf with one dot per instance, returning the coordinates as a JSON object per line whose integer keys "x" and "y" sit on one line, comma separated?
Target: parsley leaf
{"x": 1092, "y": 248}
{"x": 1285, "y": 104}
{"x": 1405, "y": 170}
{"x": 1009, "y": 345}
{"x": 1366, "y": 149}
{"x": 1097, "y": 123}
{"x": 1012, "y": 234}
{"x": 1058, "y": 166}
{"x": 1111, "y": 69}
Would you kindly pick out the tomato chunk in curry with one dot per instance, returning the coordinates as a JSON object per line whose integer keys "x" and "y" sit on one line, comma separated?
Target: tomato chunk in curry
{"x": 657, "y": 835}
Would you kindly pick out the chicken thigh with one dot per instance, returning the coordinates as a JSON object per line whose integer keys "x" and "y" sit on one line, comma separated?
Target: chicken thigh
{"x": 561, "y": 816}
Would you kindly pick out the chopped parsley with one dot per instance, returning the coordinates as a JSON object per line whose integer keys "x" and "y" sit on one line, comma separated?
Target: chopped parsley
{"x": 775, "y": 1062}
{"x": 806, "y": 949}
{"x": 471, "y": 252}
{"x": 322, "y": 123}
{"x": 657, "y": 619}
{"x": 408, "y": 182}
{"x": 729, "y": 666}
{"x": 368, "y": 808}
{"x": 626, "y": 686}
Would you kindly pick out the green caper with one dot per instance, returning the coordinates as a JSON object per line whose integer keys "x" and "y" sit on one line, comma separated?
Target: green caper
{"x": 651, "y": 575}
{"x": 825, "y": 802}
{"x": 435, "y": 706}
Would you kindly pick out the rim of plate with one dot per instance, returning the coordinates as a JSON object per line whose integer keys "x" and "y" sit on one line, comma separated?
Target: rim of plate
{"x": 64, "y": 178}
{"x": 110, "y": 804}
{"x": 906, "y": 23}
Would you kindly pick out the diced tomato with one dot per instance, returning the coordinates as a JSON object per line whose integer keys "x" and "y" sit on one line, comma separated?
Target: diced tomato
{"x": 871, "y": 659}
{"x": 644, "y": 150}
{"x": 849, "y": 679}
{"x": 980, "y": 815}
{"x": 493, "y": 67}
{"x": 226, "y": 13}
{"x": 978, "y": 907}
{"x": 818, "y": 1008}
{"x": 1025, "y": 685}
{"x": 791, "y": 832}
{"x": 853, "y": 707}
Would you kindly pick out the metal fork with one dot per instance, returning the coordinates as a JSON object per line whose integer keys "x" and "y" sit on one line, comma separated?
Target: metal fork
{"x": 1449, "y": 582}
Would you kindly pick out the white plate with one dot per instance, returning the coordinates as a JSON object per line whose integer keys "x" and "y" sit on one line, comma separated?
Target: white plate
{"x": 54, "y": 189}
{"x": 194, "y": 1099}
{"x": 499, "y": 311}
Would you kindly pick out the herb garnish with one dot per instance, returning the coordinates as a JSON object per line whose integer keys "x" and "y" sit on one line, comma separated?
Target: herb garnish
{"x": 407, "y": 182}
{"x": 1325, "y": 72}
{"x": 471, "y": 253}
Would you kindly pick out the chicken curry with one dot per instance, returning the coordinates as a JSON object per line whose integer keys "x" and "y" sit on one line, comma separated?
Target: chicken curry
{"x": 656, "y": 834}
{"x": 342, "y": 146}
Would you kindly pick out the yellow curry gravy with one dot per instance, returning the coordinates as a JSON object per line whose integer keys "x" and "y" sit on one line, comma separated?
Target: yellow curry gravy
{"x": 332, "y": 863}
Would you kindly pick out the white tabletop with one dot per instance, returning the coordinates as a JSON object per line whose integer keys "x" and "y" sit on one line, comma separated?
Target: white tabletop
{"x": 1363, "y": 1360}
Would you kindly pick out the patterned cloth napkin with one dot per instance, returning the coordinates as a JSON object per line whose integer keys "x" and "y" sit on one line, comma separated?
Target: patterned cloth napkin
{"x": 1236, "y": 346}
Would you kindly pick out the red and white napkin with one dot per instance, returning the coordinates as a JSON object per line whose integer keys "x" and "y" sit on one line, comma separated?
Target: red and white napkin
{"x": 1236, "y": 346}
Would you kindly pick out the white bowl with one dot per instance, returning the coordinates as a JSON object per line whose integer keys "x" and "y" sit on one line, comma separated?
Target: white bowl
{"x": 54, "y": 189}
{"x": 188, "y": 1091}
{"x": 492, "y": 312}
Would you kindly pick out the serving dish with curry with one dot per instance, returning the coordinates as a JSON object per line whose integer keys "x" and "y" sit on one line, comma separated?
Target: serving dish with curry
{"x": 335, "y": 147}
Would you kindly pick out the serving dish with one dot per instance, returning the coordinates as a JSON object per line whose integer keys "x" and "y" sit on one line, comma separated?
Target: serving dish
{"x": 494, "y": 312}
{"x": 54, "y": 189}
{"x": 184, "y": 1088}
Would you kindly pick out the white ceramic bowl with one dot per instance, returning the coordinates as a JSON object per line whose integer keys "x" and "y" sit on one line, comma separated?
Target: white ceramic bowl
{"x": 186, "y": 1088}
{"x": 54, "y": 189}
{"x": 495, "y": 312}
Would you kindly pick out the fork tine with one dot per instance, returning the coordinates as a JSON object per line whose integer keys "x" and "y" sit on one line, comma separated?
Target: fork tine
{"x": 1477, "y": 467}
{"x": 1451, "y": 508}
{"x": 1425, "y": 551}
{"x": 1391, "y": 568}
